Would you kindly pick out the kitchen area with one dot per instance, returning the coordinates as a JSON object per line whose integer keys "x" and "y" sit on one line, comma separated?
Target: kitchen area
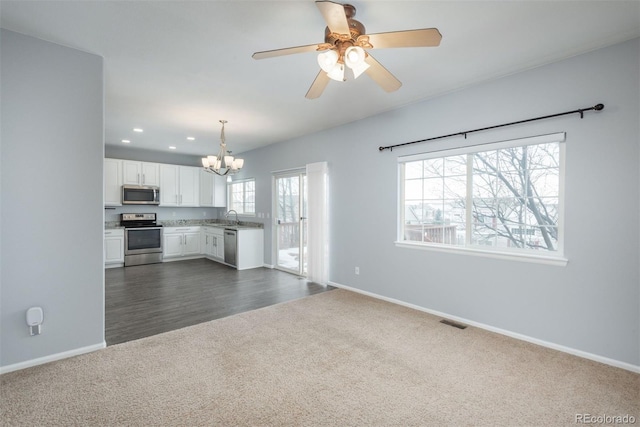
{"x": 160, "y": 212}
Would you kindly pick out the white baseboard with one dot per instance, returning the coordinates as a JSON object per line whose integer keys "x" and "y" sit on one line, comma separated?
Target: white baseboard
{"x": 564, "y": 349}
{"x": 271, "y": 266}
{"x": 51, "y": 358}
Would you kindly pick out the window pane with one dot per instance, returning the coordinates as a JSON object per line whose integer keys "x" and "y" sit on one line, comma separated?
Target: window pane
{"x": 484, "y": 185}
{"x": 433, "y": 168}
{"x": 413, "y": 189}
{"x": 455, "y": 165}
{"x": 455, "y": 187}
{"x": 433, "y": 189}
{"x": 413, "y": 170}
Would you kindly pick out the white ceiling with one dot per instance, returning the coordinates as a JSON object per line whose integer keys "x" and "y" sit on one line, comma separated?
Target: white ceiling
{"x": 174, "y": 68}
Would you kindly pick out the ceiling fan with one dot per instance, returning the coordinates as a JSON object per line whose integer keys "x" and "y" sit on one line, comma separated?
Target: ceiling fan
{"x": 346, "y": 43}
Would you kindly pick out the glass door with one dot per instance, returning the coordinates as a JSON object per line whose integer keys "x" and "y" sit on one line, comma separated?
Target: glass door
{"x": 291, "y": 225}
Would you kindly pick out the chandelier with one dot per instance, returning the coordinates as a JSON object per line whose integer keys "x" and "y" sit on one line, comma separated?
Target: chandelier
{"x": 223, "y": 163}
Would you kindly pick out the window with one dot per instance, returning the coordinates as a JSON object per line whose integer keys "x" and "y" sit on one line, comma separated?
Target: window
{"x": 503, "y": 197}
{"x": 241, "y": 196}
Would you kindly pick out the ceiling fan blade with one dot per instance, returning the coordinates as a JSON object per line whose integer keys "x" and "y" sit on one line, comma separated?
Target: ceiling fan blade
{"x": 381, "y": 75}
{"x": 334, "y": 16}
{"x": 285, "y": 51}
{"x": 410, "y": 38}
{"x": 318, "y": 85}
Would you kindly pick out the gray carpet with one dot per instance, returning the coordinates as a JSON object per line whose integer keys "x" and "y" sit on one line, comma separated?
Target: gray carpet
{"x": 334, "y": 359}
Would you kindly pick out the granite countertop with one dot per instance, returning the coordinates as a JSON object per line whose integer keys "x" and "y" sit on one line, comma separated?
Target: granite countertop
{"x": 242, "y": 225}
{"x": 211, "y": 223}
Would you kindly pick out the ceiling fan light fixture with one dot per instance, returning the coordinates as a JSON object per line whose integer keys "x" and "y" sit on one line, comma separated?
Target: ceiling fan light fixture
{"x": 328, "y": 60}
{"x": 337, "y": 73}
{"x": 354, "y": 57}
{"x": 359, "y": 69}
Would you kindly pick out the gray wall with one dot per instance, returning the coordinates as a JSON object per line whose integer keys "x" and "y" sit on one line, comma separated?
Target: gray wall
{"x": 51, "y": 214}
{"x": 592, "y": 304}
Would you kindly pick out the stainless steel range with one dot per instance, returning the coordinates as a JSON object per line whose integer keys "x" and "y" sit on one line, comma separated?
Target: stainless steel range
{"x": 142, "y": 239}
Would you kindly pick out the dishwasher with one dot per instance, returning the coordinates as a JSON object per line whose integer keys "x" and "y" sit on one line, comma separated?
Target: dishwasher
{"x": 230, "y": 247}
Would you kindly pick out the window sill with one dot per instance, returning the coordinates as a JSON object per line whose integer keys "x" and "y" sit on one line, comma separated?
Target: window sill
{"x": 538, "y": 259}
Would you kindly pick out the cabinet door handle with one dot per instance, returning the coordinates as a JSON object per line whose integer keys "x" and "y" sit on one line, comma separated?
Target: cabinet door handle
{"x": 138, "y": 179}
{"x": 143, "y": 179}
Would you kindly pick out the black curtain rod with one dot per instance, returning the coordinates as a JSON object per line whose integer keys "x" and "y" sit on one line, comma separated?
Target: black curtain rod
{"x": 581, "y": 111}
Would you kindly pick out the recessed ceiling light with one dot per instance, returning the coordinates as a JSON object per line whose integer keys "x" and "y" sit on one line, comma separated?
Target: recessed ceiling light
{"x": 138, "y": 130}
{"x": 190, "y": 138}
{"x": 126, "y": 141}
{"x": 171, "y": 147}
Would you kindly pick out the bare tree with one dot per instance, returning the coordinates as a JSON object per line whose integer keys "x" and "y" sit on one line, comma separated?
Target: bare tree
{"x": 520, "y": 192}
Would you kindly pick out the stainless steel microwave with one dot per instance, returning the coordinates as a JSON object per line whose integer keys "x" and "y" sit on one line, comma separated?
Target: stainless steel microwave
{"x": 140, "y": 195}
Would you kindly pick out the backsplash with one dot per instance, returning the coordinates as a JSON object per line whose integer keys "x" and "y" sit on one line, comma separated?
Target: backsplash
{"x": 165, "y": 213}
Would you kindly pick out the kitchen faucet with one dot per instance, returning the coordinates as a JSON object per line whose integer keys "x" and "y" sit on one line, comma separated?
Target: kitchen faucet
{"x": 227, "y": 215}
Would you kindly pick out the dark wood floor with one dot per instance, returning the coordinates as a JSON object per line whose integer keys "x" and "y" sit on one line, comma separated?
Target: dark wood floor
{"x": 145, "y": 300}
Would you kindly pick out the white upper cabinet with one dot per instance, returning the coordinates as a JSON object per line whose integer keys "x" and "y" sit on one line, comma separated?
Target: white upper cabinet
{"x": 179, "y": 185}
{"x": 213, "y": 190}
{"x": 140, "y": 173}
{"x": 112, "y": 182}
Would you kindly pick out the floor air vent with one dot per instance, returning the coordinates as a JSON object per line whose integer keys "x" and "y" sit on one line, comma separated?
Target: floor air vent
{"x": 454, "y": 324}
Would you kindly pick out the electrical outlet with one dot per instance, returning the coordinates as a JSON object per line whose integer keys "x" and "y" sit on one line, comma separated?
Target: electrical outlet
{"x": 204, "y": 213}
{"x": 357, "y": 270}
{"x": 173, "y": 214}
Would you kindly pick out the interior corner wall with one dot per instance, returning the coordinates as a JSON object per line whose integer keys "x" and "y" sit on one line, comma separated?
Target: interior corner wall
{"x": 592, "y": 304}
{"x": 51, "y": 218}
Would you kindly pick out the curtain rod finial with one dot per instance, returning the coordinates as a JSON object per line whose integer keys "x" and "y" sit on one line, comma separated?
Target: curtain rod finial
{"x": 599, "y": 107}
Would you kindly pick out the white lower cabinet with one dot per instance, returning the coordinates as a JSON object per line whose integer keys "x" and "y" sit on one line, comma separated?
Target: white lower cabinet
{"x": 249, "y": 250}
{"x": 180, "y": 242}
{"x": 113, "y": 248}
{"x": 213, "y": 243}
